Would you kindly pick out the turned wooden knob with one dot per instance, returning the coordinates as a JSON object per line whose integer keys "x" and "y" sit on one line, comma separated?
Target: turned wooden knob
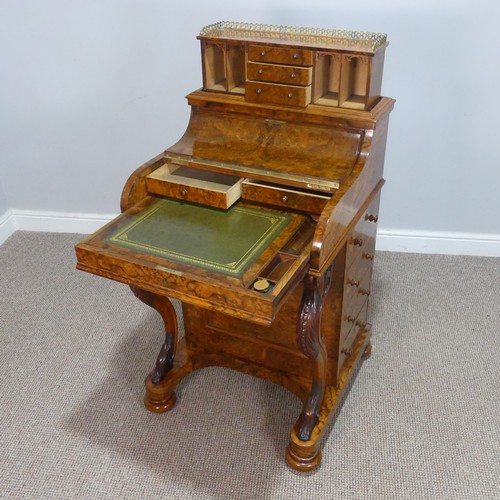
{"x": 184, "y": 192}
{"x": 260, "y": 71}
{"x": 263, "y": 53}
{"x": 361, "y": 324}
{"x": 347, "y": 352}
{"x": 284, "y": 198}
{"x": 353, "y": 282}
{"x": 357, "y": 242}
{"x": 350, "y": 319}
{"x": 367, "y": 256}
{"x": 295, "y": 56}
{"x": 292, "y": 75}
{"x": 364, "y": 291}
{"x": 289, "y": 95}
{"x": 371, "y": 218}
{"x": 258, "y": 91}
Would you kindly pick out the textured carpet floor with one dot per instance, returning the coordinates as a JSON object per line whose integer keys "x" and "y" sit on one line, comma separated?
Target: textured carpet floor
{"x": 422, "y": 420}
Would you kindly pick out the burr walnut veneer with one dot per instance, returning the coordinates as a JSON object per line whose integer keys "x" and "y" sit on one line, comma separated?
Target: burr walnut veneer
{"x": 262, "y": 219}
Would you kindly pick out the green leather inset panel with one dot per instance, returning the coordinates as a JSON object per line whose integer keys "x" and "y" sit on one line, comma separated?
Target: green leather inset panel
{"x": 224, "y": 241}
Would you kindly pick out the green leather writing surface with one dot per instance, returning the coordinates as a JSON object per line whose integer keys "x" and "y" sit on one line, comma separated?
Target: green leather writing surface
{"x": 224, "y": 241}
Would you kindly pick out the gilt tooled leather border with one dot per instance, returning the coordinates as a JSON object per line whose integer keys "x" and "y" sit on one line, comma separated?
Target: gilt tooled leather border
{"x": 278, "y": 222}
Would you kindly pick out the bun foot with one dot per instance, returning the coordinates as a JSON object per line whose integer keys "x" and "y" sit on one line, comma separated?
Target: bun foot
{"x": 159, "y": 405}
{"x": 298, "y": 459}
{"x": 368, "y": 351}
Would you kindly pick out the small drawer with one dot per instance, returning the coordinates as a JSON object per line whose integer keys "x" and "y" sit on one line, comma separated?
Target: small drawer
{"x": 195, "y": 185}
{"x": 277, "y": 94}
{"x": 299, "y": 199}
{"x": 293, "y": 75}
{"x": 352, "y": 326}
{"x": 280, "y": 55}
{"x": 361, "y": 242}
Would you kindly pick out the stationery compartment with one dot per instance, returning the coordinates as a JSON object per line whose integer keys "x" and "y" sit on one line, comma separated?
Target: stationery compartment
{"x": 195, "y": 185}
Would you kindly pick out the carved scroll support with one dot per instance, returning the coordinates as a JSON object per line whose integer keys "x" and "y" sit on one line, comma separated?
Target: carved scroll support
{"x": 159, "y": 402}
{"x": 311, "y": 343}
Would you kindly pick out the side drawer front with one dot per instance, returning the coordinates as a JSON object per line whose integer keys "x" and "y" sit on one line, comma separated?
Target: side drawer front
{"x": 361, "y": 243}
{"x": 357, "y": 286}
{"x": 349, "y": 333}
{"x": 277, "y": 94}
{"x": 294, "y": 57}
{"x": 283, "y": 197}
{"x": 293, "y": 75}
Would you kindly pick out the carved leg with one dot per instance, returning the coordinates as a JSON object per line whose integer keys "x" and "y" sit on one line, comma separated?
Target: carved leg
{"x": 156, "y": 399}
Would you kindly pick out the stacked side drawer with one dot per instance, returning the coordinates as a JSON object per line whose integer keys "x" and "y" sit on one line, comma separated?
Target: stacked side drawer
{"x": 357, "y": 279}
{"x": 279, "y": 75}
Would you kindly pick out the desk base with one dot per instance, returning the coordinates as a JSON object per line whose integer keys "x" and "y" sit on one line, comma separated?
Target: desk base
{"x": 217, "y": 340}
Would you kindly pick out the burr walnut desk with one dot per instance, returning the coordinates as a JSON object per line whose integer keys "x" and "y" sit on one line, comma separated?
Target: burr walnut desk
{"x": 262, "y": 218}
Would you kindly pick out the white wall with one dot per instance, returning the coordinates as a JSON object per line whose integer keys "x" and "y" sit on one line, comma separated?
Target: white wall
{"x": 93, "y": 88}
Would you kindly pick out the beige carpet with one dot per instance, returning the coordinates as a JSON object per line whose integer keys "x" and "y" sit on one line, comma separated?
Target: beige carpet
{"x": 422, "y": 420}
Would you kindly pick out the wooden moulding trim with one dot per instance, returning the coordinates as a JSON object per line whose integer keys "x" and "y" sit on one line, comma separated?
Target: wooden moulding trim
{"x": 352, "y": 117}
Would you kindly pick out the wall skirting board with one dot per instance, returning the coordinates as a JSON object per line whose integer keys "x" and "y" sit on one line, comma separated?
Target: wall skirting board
{"x": 432, "y": 242}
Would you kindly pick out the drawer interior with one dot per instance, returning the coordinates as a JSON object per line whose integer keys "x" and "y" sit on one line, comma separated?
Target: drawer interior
{"x": 194, "y": 180}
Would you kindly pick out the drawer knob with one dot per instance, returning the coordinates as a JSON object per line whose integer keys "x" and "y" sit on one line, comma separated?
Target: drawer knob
{"x": 346, "y": 352}
{"x": 371, "y": 218}
{"x": 258, "y": 91}
{"x": 296, "y": 55}
{"x": 260, "y": 71}
{"x": 292, "y": 75}
{"x": 361, "y": 324}
{"x": 263, "y": 53}
{"x": 289, "y": 95}
{"x": 284, "y": 198}
{"x": 357, "y": 242}
{"x": 184, "y": 192}
{"x": 367, "y": 256}
{"x": 364, "y": 291}
{"x": 350, "y": 319}
{"x": 353, "y": 282}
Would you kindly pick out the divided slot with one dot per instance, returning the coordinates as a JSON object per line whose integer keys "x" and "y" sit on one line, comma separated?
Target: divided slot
{"x": 354, "y": 82}
{"x": 224, "y": 67}
{"x": 327, "y": 79}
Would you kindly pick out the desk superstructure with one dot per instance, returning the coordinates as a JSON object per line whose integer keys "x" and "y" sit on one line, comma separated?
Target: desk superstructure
{"x": 262, "y": 218}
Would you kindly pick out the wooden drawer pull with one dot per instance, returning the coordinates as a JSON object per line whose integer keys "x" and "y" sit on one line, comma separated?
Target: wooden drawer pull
{"x": 361, "y": 324}
{"x": 292, "y": 75}
{"x": 346, "y": 352}
{"x": 364, "y": 291}
{"x": 260, "y": 71}
{"x": 289, "y": 95}
{"x": 367, "y": 256}
{"x": 258, "y": 91}
{"x": 284, "y": 198}
{"x": 371, "y": 218}
{"x": 357, "y": 242}
{"x": 184, "y": 192}
{"x": 295, "y": 56}
{"x": 353, "y": 282}
{"x": 263, "y": 53}
{"x": 350, "y": 319}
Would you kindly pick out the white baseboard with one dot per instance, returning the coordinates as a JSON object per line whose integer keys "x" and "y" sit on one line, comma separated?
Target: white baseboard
{"x": 51, "y": 222}
{"x": 392, "y": 240}
{"x": 7, "y": 225}
{"x": 438, "y": 242}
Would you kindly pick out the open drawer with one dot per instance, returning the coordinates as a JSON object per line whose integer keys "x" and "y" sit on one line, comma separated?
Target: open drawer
{"x": 204, "y": 256}
{"x": 192, "y": 184}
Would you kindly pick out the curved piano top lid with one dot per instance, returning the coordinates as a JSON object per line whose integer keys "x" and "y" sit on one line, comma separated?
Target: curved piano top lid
{"x": 309, "y": 155}
{"x": 333, "y": 39}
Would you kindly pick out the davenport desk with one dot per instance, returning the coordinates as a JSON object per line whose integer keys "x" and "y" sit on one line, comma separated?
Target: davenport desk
{"x": 262, "y": 218}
